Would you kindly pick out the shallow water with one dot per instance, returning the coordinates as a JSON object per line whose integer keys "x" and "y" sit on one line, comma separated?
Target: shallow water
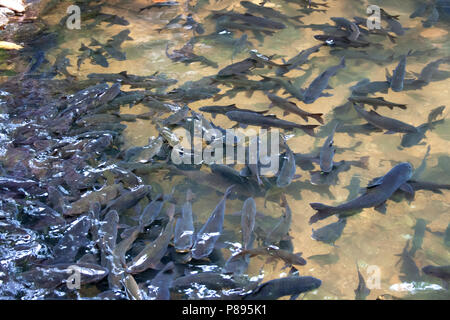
{"x": 369, "y": 238}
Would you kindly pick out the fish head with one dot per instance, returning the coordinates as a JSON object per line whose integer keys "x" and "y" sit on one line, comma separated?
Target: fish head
{"x": 405, "y": 170}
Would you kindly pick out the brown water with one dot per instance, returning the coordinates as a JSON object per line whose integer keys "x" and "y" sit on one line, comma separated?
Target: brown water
{"x": 370, "y": 238}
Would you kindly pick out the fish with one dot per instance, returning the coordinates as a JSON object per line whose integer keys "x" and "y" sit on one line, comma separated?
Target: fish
{"x": 314, "y": 91}
{"x": 159, "y": 288}
{"x": 128, "y": 199}
{"x": 274, "y": 253}
{"x": 290, "y": 107}
{"x": 385, "y": 123}
{"x": 413, "y": 138}
{"x": 150, "y": 256}
{"x": 365, "y": 87}
{"x": 432, "y": 19}
{"x": 340, "y": 41}
{"x": 207, "y": 236}
{"x": 73, "y": 239}
{"x": 330, "y": 233}
{"x": 56, "y": 275}
{"x": 265, "y": 60}
{"x": 398, "y": 76}
{"x": 298, "y": 60}
{"x": 287, "y": 171}
{"x": 215, "y": 110}
{"x": 350, "y": 26}
{"x": 151, "y": 211}
{"x": 184, "y": 228}
{"x": 107, "y": 235}
{"x": 375, "y": 196}
{"x": 267, "y": 12}
{"x": 211, "y": 280}
{"x": 281, "y": 230}
{"x": 394, "y": 24}
{"x": 248, "y": 215}
{"x": 163, "y": 4}
{"x": 249, "y": 118}
{"x": 361, "y": 292}
{"x": 193, "y": 25}
{"x": 287, "y": 286}
{"x": 376, "y": 102}
{"x": 419, "y": 233}
{"x": 250, "y": 19}
{"x": 327, "y": 152}
{"x": 240, "y": 68}
{"x": 441, "y": 272}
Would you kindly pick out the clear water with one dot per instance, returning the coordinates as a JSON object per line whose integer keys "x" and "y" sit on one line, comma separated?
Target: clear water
{"x": 370, "y": 238}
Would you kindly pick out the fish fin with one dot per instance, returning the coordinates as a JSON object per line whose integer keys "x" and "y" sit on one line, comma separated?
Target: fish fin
{"x": 245, "y": 172}
{"x": 390, "y": 132}
{"x": 323, "y": 211}
{"x": 285, "y": 113}
{"x": 326, "y": 94}
{"x": 406, "y": 187}
{"x": 243, "y": 125}
{"x": 318, "y": 117}
{"x": 309, "y": 129}
{"x": 375, "y": 182}
{"x": 305, "y": 118}
{"x": 381, "y": 208}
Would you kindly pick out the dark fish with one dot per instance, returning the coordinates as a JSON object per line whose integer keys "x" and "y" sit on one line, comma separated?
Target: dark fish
{"x": 330, "y": 233}
{"x": 165, "y": 4}
{"x": 432, "y": 19}
{"x": 413, "y": 138}
{"x": 290, "y": 107}
{"x": 248, "y": 215}
{"x": 340, "y": 41}
{"x": 327, "y": 152}
{"x": 184, "y": 229}
{"x": 314, "y": 91}
{"x": 350, "y": 26}
{"x": 128, "y": 199}
{"x": 151, "y": 211}
{"x": 194, "y": 25}
{"x": 389, "y": 124}
{"x": 287, "y": 171}
{"x": 419, "y": 233}
{"x": 265, "y": 60}
{"x": 287, "y": 286}
{"x": 396, "y": 82}
{"x": 240, "y": 68}
{"x": 74, "y": 238}
{"x": 107, "y": 235}
{"x": 207, "y": 236}
{"x": 366, "y": 86}
{"x": 159, "y": 288}
{"x": 441, "y": 272}
{"x": 298, "y": 60}
{"x": 248, "y": 118}
{"x": 151, "y": 254}
{"x": 250, "y": 19}
{"x": 281, "y": 230}
{"x": 215, "y": 110}
{"x": 376, "y": 102}
{"x": 211, "y": 280}
{"x": 274, "y": 253}
{"x": 267, "y": 12}
{"x": 375, "y": 196}
{"x": 56, "y": 275}
{"x": 361, "y": 292}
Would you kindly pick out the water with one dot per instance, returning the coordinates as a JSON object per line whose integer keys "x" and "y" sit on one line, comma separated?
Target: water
{"x": 370, "y": 239}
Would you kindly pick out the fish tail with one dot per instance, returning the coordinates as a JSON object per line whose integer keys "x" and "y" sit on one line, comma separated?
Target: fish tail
{"x": 323, "y": 211}
{"x": 318, "y": 117}
{"x": 308, "y": 129}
